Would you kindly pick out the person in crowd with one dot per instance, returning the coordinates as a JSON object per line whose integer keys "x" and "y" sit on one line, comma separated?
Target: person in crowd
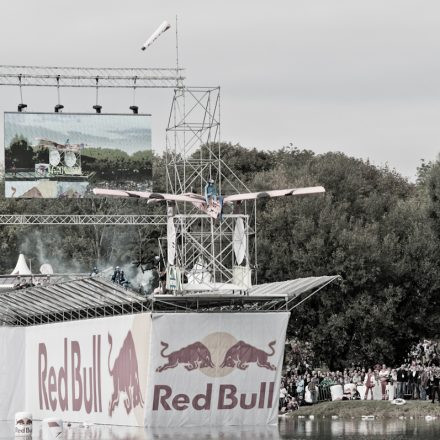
{"x": 383, "y": 379}
{"x": 418, "y": 377}
{"x": 392, "y": 386}
{"x": 424, "y": 382}
{"x": 292, "y": 404}
{"x": 402, "y": 378}
{"x": 356, "y": 378}
{"x": 300, "y": 387}
{"x": 412, "y": 381}
{"x": 363, "y": 373}
{"x": 434, "y": 381}
{"x": 283, "y": 394}
{"x": 313, "y": 388}
{"x": 369, "y": 382}
{"x": 94, "y": 272}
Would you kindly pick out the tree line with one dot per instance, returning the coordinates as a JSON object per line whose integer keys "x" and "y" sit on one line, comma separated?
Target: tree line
{"x": 376, "y": 229}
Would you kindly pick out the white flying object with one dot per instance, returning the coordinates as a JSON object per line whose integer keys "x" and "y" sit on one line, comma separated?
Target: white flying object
{"x": 160, "y": 30}
{"x": 211, "y": 205}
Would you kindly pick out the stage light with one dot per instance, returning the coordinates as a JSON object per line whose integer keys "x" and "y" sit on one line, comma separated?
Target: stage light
{"x": 58, "y": 107}
{"x": 21, "y": 107}
{"x": 134, "y": 109}
{"x": 97, "y": 108}
{"x": 160, "y": 30}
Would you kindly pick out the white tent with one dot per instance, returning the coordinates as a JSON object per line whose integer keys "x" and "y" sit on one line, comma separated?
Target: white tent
{"x": 21, "y": 268}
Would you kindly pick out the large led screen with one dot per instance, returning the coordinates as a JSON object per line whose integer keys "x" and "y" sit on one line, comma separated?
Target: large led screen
{"x": 66, "y": 155}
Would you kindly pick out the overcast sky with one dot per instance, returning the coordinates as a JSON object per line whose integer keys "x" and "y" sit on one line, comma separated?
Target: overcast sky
{"x": 358, "y": 76}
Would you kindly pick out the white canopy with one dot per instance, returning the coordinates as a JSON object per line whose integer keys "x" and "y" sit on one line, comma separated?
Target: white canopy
{"x": 21, "y": 268}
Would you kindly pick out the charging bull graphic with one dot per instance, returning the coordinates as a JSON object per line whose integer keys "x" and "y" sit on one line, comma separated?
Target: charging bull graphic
{"x": 241, "y": 354}
{"x": 125, "y": 376}
{"x": 193, "y": 356}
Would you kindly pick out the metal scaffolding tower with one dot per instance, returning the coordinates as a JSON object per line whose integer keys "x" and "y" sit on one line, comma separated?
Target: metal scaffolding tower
{"x": 194, "y": 156}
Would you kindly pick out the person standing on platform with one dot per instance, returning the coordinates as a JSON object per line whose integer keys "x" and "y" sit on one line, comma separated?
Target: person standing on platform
{"x": 210, "y": 192}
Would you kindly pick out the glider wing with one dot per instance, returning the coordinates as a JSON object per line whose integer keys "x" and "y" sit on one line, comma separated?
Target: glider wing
{"x": 274, "y": 193}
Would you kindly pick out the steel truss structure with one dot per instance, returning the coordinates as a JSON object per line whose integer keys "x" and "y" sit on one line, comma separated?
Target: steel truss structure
{"x": 57, "y": 219}
{"x": 193, "y": 149}
{"x": 204, "y": 244}
{"x": 43, "y": 76}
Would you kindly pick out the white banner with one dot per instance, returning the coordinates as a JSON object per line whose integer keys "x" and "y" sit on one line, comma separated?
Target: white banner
{"x": 91, "y": 370}
{"x": 12, "y": 384}
{"x": 215, "y": 369}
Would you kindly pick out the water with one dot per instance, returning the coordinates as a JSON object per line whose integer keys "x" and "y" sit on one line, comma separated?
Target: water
{"x": 328, "y": 429}
{"x": 289, "y": 428}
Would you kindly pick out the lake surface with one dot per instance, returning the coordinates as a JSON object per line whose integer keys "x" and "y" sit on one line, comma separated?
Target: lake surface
{"x": 288, "y": 428}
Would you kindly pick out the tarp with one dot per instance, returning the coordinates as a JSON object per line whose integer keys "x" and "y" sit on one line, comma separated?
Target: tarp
{"x": 215, "y": 369}
{"x": 91, "y": 370}
{"x": 12, "y": 369}
{"x": 161, "y": 370}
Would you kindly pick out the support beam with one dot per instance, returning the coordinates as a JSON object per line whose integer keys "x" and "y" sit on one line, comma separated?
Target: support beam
{"x": 53, "y": 219}
{"x": 43, "y": 76}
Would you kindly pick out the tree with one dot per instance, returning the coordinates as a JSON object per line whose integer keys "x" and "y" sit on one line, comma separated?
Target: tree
{"x": 21, "y": 153}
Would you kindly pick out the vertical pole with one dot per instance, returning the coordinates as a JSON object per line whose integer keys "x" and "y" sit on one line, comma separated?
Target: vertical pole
{"x": 214, "y": 265}
{"x": 177, "y": 54}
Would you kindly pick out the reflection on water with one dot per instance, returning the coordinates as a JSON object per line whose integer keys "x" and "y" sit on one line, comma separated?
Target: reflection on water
{"x": 289, "y": 428}
{"x": 327, "y": 429}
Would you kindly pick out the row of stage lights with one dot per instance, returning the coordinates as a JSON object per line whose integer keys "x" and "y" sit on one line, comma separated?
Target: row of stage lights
{"x": 134, "y": 108}
{"x": 59, "y": 107}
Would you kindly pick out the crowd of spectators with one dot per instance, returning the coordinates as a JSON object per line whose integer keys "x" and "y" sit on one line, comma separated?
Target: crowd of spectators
{"x": 417, "y": 378}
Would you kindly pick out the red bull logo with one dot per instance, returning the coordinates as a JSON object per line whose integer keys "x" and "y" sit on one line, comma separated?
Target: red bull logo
{"x": 24, "y": 421}
{"x": 192, "y": 356}
{"x": 125, "y": 376}
{"x": 241, "y": 354}
{"x": 23, "y": 426}
{"x": 217, "y": 355}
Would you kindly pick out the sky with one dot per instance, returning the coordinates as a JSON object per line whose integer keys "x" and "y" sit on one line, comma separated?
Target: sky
{"x": 357, "y": 76}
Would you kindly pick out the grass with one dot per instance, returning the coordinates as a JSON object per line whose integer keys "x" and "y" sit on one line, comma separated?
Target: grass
{"x": 348, "y": 409}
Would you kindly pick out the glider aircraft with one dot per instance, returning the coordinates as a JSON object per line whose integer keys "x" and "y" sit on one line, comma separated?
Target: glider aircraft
{"x": 210, "y": 205}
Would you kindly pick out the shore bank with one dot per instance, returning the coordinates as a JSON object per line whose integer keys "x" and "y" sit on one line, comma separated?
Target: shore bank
{"x": 347, "y": 409}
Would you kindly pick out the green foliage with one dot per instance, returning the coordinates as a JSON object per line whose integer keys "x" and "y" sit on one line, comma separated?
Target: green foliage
{"x": 378, "y": 231}
{"x": 112, "y": 165}
{"x": 19, "y": 153}
{"x": 371, "y": 228}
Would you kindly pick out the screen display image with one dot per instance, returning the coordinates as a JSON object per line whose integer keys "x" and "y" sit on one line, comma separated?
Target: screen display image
{"x": 66, "y": 155}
